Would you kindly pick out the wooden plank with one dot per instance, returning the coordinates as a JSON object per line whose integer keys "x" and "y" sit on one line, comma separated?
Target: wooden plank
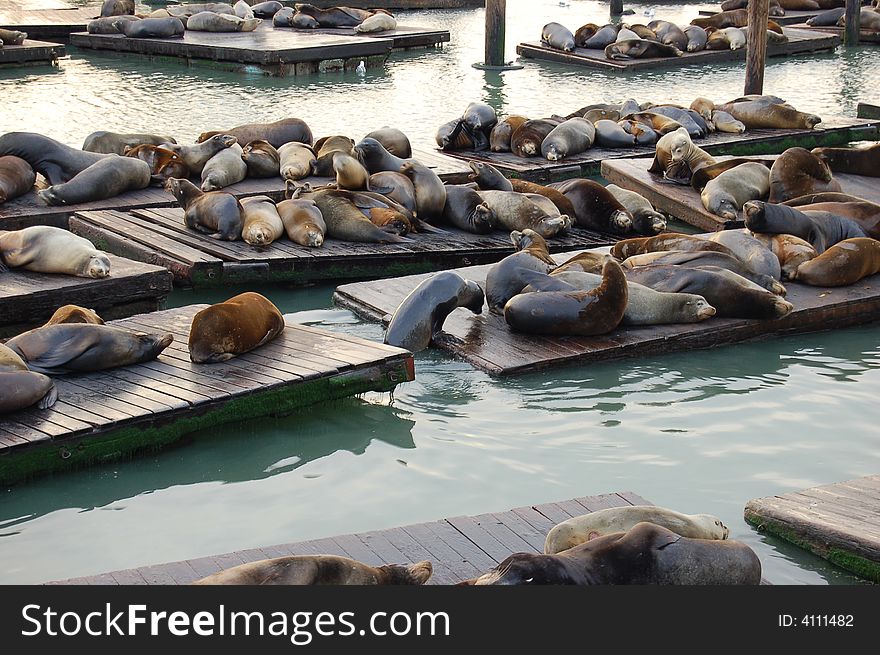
{"x": 865, "y": 110}
{"x": 865, "y": 36}
{"x": 31, "y": 52}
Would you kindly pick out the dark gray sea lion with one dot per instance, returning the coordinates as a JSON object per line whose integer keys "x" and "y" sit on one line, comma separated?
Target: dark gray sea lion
{"x": 21, "y": 388}
{"x": 646, "y": 220}
{"x": 696, "y": 37}
{"x": 262, "y": 159}
{"x": 863, "y": 212}
{"x": 304, "y": 22}
{"x": 16, "y": 177}
{"x": 569, "y": 138}
{"x": 797, "y": 172}
{"x": 375, "y": 157}
{"x": 429, "y": 188}
{"x": 526, "y": 140}
{"x": 640, "y": 49}
{"x": 821, "y": 229}
{"x": 108, "y": 24}
{"x": 151, "y": 28}
{"x": 277, "y": 133}
{"x": 572, "y": 313}
{"x": 480, "y": 116}
{"x": 236, "y": 326}
{"x": 195, "y": 8}
{"x": 319, "y": 570}
{"x": 284, "y": 16}
{"x": 827, "y": 18}
{"x": 669, "y": 34}
{"x": 856, "y": 161}
{"x": 419, "y": 317}
{"x": 112, "y": 143}
{"x": 725, "y": 195}
{"x": 335, "y": 16}
{"x": 646, "y": 554}
{"x": 842, "y": 264}
{"x": 691, "y": 120}
{"x": 466, "y": 210}
{"x": 46, "y": 249}
{"x": 488, "y": 177}
{"x": 196, "y": 156}
{"x": 224, "y": 169}
{"x": 595, "y": 207}
{"x": 557, "y": 36}
{"x": 82, "y": 347}
{"x": 505, "y": 279}
{"x": 603, "y": 37}
{"x": 103, "y": 179}
{"x": 53, "y": 160}
{"x": 267, "y": 9}
{"x": 393, "y": 140}
{"x": 610, "y": 134}
{"x": 643, "y": 134}
{"x": 454, "y": 136}
{"x": 117, "y": 8}
{"x": 208, "y": 21}
{"x": 345, "y": 221}
{"x": 217, "y": 213}
{"x": 499, "y": 137}
{"x": 397, "y": 187}
{"x": 730, "y": 294}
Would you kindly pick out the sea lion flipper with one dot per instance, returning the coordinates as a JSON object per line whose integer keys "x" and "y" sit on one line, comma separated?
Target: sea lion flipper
{"x": 51, "y": 361}
{"x": 49, "y": 399}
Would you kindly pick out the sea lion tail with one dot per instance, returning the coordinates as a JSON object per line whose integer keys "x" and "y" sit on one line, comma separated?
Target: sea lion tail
{"x": 49, "y": 399}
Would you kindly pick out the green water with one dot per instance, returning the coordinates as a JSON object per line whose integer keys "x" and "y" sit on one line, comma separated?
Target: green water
{"x": 704, "y": 431}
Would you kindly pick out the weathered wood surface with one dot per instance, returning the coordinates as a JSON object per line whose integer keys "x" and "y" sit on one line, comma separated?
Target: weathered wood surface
{"x": 840, "y": 522}
{"x": 104, "y": 415}
{"x": 459, "y": 548}
{"x": 159, "y": 236}
{"x": 799, "y": 41}
{"x": 46, "y": 23}
{"x": 488, "y": 343}
{"x": 792, "y": 16}
{"x": 865, "y": 110}
{"x": 29, "y": 210}
{"x": 684, "y": 202}
{"x": 756, "y": 49}
{"x": 28, "y": 299}
{"x": 831, "y": 132}
{"x": 30, "y": 53}
{"x": 865, "y": 37}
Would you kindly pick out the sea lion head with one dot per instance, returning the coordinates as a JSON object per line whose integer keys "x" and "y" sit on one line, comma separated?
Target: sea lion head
{"x": 50, "y": 197}
{"x": 522, "y": 569}
{"x": 411, "y": 574}
{"x": 483, "y": 217}
{"x": 148, "y": 346}
{"x": 553, "y": 153}
{"x": 723, "y": 205}
{"x": 226, "y": 140}
{"x": 621, "y": 220}
{"x": 528, "y": 239}
{"x": 753, "y": 212}
{"x": 314, "y": 238}
{"x": 718, "y": 529}
{"x": 472, "y": 297}
{"x": 98, "y": 266}
{"x": 258, "y": 234}
{"x": 700, "y": 309}
{"x": 678, "y": 143}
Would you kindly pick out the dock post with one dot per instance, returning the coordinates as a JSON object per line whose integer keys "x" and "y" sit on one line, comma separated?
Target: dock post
{"x": 496, "y": 11}
{"x": 756, "y": 46}
{"x": 853, "y": 20}
{"x": 616, "y": 7}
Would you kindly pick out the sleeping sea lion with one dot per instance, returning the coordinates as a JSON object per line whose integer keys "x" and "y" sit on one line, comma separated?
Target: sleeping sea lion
{"x": 217, "y": 213}
{"x": 238, "y": 325}
{"x": 45, "y": 249}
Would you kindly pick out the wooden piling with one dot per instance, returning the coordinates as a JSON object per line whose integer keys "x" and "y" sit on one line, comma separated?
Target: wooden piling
{"x": 616, "y": 7}
{"x": 495, "y": 27}
{"x": 756, "y": 47}
{"x": 853, "y": 21}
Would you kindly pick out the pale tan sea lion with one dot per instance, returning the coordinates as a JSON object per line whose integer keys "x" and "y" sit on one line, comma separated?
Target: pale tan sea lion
{"x": 45, "y": 249}
{"x": 302, "y": 222}
{"x": 261, "y": 224}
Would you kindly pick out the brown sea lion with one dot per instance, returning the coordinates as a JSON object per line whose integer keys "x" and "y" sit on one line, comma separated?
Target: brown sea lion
{"x": 677, "y": 158}
{"x": 238, "y": 325}
{"x": 704, "y": 107}
{"x": 584, "y": 33}
{"x": 500, "y": 136}
{"x": 562, "y": 203}
{"x": 319, "y": 570}
{"x": 390, "y": 220}
{"x": 195, "y": 157}
{"x": 84, "y": 347}
{"x": 857, "y": 161}
{"x": 164, "y": 163}
{"x": 350, "y": 173}
{"x": 527, "y": 138}
{"x": 791, "y": 251}
{"x": 762, "y": 113}
{"x": 277, "y": 133}
{"x": 393, "y": 140}
{"x": 262, "y": 159}
{"x": 326, "y": 148}
{"x": 113, "y": 143}
{"x": 749, "y": 250}
{"x": 74, "y": 314}
{"x": 644, "y": 32}
{"x": 117, "y": 8}
{"x": 454, "y": 136}
{"x": 16, "y": 177}
{"x": 588, "y": 261}
{"x": 12, "y": 37}
{"x": 217, "y": 213}
{"x": 669, "y": 34}
{"x": 45, "y": 249}
{"x": 797, "y": 172}
{"x": 641, "y": 49}
{"x": 261, "y": 224}
{"x": 396, "y": 187}
{"x": 302, "y": 222}
{"x": 732, "y": 18}
{"x": 664, "y": 243}
{"x": 505, "y": 279}
{"x": 842, "y": 264}
{"x": 647, "y": 554}
{"x": 21, "y": 388}
{"x": 419, "y": 318}
{"x": 595, "y": 207}
{"x": 344, "y": 219}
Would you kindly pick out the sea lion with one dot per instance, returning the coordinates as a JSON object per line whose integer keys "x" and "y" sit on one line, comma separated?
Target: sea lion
{"x": 704, "y": 107}
{"x": 515, "y": 211}
{"x": 396, "y": 187}
{"x": 645, "y": 554}
{"x": 195, "y": 8}
{"x": 791, "y": 251}
{"x": 641, "y": 49}
{"x": 667, "y": 242}
{"x": 762, "y": 113}
{"x": 725, "y": 195}
{"x": 302, "y": 222}
{"x": 326, "y": 148}
{"x": 334, "y": 16}
{"x": 584, "y": 33}
{"x": 733, "y": 18}
{"x": 488, "y": 177}
{"x": 103, "y": 179}
{"x": 588, "y": 261}
{"x": 196, "y": 156}
{"x": 643, "y": 134}
{"x": 163, "y": 163}
{"x": 749, "y": 250}
{"x": 506, "y": 278}
{"x": 344, "y": 219}
{"x": 266, "y": 9}
{"x": 74, "y": 314}
{"x": 261, "y": 224}
{"x": 319, "y": 570}
{"x": 224, "y": 169}
{"x": 595, "y": 207}
{"x": 701, "y": 177}
{"x": 863, "y": 212}
{"x": 350, "y": 173}
{"x": 842, "y": 264}
{"x": 676, "y": 157}
{"x": 393, "y": 140}
{"x": 112, "y": 143}
{"x": 587, "y": 527}
{"x": 151, "y": 28}
{"x": 429, "y": 188}
{"x": 53, "y": 160}
{"x": 377, "y": 23}
{"x": 610, "y": 134}
{"x": 717, "y": 39}
{"x": 207, "y": 21}
{"x": 557, "y": 36}
{"x": 563, "y": 204}
{"x": 827, "y": 18}
{"x": 217, "y": 213}
{"x": 419, "y": 318}
{"x": 466, "y": 210}
{"x": 12, "y": 37}
{"x": 243, "y": 10}
{"x": 645, "y": 219}
{"x": 84, "y": 347}
{"x": 658, "y": 122}
{"x": 261, "y": 159}
{"x": 669, "y": 34}
{"x": 626, "y": 34}
{"x": 281, "y": 18}
{"x": 869, "y": 21}
{"x": 480, "y": 118}
{"x": 21, "y": 388}
{"x": 821, "y": 229}
{"x": 117, "y": 8}
{"x": 45, "y": 249}
{"x": 454, "y": 135}
{"x": 233, "y": 327}
{"x": 857, "y": 161}
{"x": 691, "y": 120}
{"x": 16, "y": 177}
{"x": 500, "y": 136}
{"x": 108, "y": 24}
{"x": 602, "y": 38}
{"x": 277, "y": 133}
{"x": 569, "y": 138}
{"x": 724, "y": 122}
{"x": 797, "y": 172}
{"x": 296, "y": 160}
{"x": 526, "y": 140}
{"x": 596, "y": 115}
{"x": 375, "y": 157}
{"x": 304, "y": 22}
{"x": 572, "y": 313}
{"x": 730, "y": 294}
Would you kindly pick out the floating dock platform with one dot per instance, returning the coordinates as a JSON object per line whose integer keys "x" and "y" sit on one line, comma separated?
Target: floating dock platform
{"x": 46, "y": 20}
{"x": 30, "y": 53}
{"x": 840, "y": 522}
{"x": 833, "y": 132}
{"x": 29, "y": 299}
{"x": 404, "y": 37}
{"x": 684, "y": 202}
{"x": 792, "y": 16}
{"x": 159, "y": 236}
{"x": 799, "y": 42}
{"x": 865, "y": 110}
{"x": 865, "y": 37}
{"x": 487, "y": 342}
{"x": 110, "y": 414}
{"x": 29, "y": 210}
{"x": 459, "y": 548}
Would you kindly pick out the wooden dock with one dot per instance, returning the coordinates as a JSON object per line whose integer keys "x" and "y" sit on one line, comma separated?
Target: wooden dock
{"x": 684, "y": 202}
{"x": 792, "y": 16}
{"x": 159, "y": 236}
{"x": 799, "y": 42}
{"x": 30, "y": 53}
{"x": 840, "y": 522}
{"x": 29, "y": 299}
{"x": 487, "y": 342}
{"x": 48, "y": 23}
{"x": 29, "y": 210}
{"x": 404, "y": 37}
{"x": 865, "y": 37}
{"x": 831, "y": 132}
{"x": 865, "y": 110}
{"x": 111, "y": 414}
{"x": 460, "y": 548}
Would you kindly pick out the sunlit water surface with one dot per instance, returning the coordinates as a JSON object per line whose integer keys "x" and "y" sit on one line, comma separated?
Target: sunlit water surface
{"x": 699, "y": 432}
